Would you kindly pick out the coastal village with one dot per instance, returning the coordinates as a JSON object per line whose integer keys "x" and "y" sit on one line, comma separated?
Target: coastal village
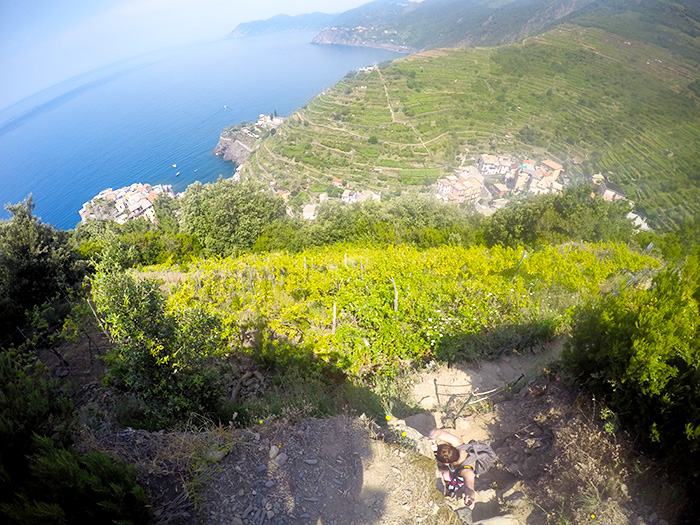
{"x": 494, "y": 178}
{"x": 127, "y": 203}
{"x": 488, "y": 184}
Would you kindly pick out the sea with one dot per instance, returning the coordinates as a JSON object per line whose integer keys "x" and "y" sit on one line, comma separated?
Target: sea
{"x": 156, "y": 118}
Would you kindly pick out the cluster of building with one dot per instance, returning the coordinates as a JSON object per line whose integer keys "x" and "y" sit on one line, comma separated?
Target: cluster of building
{"x": 129, "y": 202}
{"x": 495, "y": 177}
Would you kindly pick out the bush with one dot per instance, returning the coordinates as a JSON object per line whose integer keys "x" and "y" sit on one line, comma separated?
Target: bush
{"x": 37, "y": 263}
{"x": 62, "y": 487}
{"x": 638, "y": 352}
{"x": 41, "y": 481}
{"x": 30, "y": 404}
{"x": 162, "y": 359}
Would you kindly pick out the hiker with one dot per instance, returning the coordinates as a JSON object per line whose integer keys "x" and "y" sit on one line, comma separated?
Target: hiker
{"x": 459, "y": 464}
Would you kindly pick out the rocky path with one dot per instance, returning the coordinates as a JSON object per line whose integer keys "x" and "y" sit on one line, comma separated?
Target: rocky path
{"x": 555, "y": 464}
{"x": 327, "y": 471}
{"x": 336, "y": 471}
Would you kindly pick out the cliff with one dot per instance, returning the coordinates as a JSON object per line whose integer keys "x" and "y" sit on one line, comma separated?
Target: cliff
{"x": 238, "y": 142}
{"x": 343, "y": 36}
{"x": 307, "y": 22}
{"x": 234, "y": 146}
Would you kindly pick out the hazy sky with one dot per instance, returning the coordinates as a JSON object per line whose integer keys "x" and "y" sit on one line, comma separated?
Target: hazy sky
{"x": 43, "y": 42}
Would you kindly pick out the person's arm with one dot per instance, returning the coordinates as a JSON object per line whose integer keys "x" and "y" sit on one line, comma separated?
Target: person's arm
{"x": 437, "y": 433}
{"x": 469, "y": 492}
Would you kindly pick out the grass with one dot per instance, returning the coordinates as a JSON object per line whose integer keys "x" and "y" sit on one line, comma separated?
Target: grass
{"x": 624, "y": 109}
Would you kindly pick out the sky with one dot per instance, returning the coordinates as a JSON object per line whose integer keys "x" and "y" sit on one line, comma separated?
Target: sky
{"x": 43, "y": 42}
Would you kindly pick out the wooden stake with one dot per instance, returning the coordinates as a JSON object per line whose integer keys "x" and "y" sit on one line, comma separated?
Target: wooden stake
{"x": 334, "y": 317}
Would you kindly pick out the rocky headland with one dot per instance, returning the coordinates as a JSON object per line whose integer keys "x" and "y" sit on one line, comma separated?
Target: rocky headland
{"x": 238, "y": 142}
{"x": 359, "y": 37}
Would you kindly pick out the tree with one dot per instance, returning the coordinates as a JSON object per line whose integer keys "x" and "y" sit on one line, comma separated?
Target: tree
{"x": 228, "y": 216}
{"x": 37, "y": 263}
{"x": 553, "y": 219}
{"x": 166, "y": 214}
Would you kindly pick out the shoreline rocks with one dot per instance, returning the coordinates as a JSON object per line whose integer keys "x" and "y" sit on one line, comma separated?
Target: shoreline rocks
{"x": 237, "y": 143}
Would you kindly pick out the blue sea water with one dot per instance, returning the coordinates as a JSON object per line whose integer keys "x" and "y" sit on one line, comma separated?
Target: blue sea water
{"x": 131, "y": 121}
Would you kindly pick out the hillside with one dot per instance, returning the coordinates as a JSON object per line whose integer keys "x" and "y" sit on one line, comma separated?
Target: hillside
{"x": 375, "y": 474}
{"x": 236, "y": 385}
{"x": 413, "y": 26}
{"x": 596, "y": 101}
{"x": 307, "y": 22}
{"x": 286, "y": 465}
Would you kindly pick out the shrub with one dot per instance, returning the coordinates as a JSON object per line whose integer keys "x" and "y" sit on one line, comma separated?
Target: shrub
{"x": 29, "y": 405}
{"x": 638, "y": 352}
{"x": 41, "y": 481}
{"x": 162, "y": 359}
{"x": 62, "y": 487}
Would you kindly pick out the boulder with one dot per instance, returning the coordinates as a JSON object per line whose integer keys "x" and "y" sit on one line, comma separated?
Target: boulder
{"x": 423, "y": 422}
{"x": 499, "y": 520}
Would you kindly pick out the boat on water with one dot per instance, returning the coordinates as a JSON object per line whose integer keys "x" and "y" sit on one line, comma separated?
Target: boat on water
{"x": 174, "y": 165}
{"x": 178, "y": 173}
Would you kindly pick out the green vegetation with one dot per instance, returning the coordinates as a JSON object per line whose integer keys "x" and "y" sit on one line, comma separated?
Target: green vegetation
{"x": 37, "y": 265}
{"x": 400, "y": 303}
{"x": 159, "y": 359}
{"x": 43, "y": 480}
{"x": 334, "y": 314}
{"x": 624, "y": 108}
{"x": 337, "y": 311}
{"x": 552, "y": 219}
{"x": 431, "y": 24}
{"x": 227, "y": 216}
{"x": 638, "y": 353}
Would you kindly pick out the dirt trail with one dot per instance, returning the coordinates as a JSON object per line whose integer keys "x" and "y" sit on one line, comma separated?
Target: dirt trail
{"x": 346, "y": 470}
{"x": 554, "y": 465}
{"x": 336, "y": 471}
{"x": 445, "y": 391}
{"x": 327, "y": 471}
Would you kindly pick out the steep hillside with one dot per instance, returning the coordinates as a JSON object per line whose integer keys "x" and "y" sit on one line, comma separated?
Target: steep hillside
{"x": 308, "y": 22}
{"x": 674, "y": 26}
{"x": 448, "y": 23}
{"x": 439, "y": 23}
{"x": 597, "y": 101}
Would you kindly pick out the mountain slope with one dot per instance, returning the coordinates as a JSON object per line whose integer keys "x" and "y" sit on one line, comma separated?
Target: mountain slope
{"x": 623, "y": 107}
{"x": 454, "y": 23}
{"x": 307, "y": 22}
{"x": 444, "y": 23}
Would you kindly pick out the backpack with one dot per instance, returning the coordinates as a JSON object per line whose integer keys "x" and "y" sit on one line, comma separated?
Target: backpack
{"x": 481, "y": 455}
{"x": 453, "y": 486}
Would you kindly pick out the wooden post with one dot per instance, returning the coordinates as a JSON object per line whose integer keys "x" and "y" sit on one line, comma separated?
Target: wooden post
{"x": 396, "y": 295}
{"x": 97, "y": 318}
{"x": 518, "y": 267}
{"x": 334, "y": 317}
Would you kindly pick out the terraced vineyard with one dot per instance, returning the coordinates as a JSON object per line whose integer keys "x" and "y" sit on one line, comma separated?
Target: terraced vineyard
{"x": 401, "y": 302}
{"x": 594, "y": 100}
